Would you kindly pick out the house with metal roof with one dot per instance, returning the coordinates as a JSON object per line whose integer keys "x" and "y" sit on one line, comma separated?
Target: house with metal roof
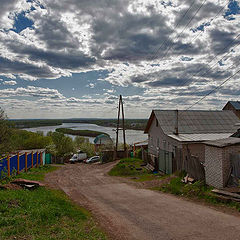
{"x": 174, "y": 134}
{"x": 233, "y": 106}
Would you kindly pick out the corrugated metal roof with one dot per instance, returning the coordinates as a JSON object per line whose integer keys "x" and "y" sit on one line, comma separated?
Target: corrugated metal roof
{"x": 235, "y": 104}
{"x": 197, "y": 122}
{"x": 224, "y": 142}
{"x": 199, "y": 137}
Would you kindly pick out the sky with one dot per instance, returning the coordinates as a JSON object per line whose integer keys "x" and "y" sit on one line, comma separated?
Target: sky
{"x": 73, "y": 58}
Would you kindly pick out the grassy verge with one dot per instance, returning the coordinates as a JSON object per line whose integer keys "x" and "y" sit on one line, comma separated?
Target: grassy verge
{"x": 43, "y": 214}
{"x": 36, "y": 174}
{"x": 195, "y": 191}
{"x": 129, "y": 167}
{"x": 170, "y": 184}
{"x": 86, "y": 133}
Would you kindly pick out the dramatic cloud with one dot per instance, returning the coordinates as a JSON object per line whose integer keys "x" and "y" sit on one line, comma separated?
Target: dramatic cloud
{"x": 172, "y": 51}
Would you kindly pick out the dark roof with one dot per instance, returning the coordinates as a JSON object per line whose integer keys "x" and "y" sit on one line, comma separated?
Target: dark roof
{"x": 195, "y": 121}
{"x": 103, "y": 138}
{"x": 224, "y": 142}
{"x": 235, "y": 104}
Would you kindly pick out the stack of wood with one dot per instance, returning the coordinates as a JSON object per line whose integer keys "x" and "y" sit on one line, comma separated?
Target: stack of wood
{"x": 225, "y": 195}
{"x": 149, "y": 167}
{"x": 188, "y": 180}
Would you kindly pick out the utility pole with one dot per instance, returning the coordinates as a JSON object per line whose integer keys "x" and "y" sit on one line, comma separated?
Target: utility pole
{"x": 120, "y": 107}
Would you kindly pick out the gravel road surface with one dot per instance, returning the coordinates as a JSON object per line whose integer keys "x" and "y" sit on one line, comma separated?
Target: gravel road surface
{"x": 128, "y": 212}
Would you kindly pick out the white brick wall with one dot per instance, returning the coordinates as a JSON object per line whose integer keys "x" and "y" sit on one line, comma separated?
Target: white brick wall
{"x": 217, "y": 164}
{"x": 213, "y": 166}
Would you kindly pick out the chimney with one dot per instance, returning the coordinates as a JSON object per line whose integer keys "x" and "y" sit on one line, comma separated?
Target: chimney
{"x": 176, "y": 122}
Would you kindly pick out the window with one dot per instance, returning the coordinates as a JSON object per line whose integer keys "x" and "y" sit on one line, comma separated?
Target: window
{"x": 156, "y": 123}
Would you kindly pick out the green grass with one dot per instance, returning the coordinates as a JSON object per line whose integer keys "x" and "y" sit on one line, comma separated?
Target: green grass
{"x": 127, "y": 168}
{"x": 36, "y": 174}
{"x": 43, "y": 214}
{"x": 150, "y": 177}
{"x": 197, "y": 190}
{"x": 86, "y": 133}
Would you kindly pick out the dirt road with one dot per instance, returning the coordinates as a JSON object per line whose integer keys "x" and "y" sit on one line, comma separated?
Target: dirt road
{"x": 128, "y": 212}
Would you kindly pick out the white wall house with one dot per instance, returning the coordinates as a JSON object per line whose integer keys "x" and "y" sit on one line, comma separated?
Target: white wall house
{"x": 169, "y": 130}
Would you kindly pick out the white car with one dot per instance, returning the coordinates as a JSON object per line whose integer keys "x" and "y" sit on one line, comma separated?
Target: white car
{"x": 93, "y": 159}
{"x": 79, "y": 156}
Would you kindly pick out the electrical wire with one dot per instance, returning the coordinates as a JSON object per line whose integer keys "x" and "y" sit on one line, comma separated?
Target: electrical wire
{"x": 213, "y": 90}
{"x": 183, "y": 16}
{"x": 199, "y": 8}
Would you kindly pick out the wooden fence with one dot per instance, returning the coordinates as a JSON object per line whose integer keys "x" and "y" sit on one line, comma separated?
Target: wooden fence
{"x": 189, "y": 163}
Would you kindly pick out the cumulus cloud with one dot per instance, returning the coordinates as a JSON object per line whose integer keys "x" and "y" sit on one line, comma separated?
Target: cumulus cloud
{"x": 140, "y": 43}
{"x": 9, "y": 83}
{"x": 31, "y": 91}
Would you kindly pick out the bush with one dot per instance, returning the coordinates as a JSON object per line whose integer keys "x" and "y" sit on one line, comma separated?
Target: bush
{"x": 21, "y": 139}
{"x": 128, "y": 167}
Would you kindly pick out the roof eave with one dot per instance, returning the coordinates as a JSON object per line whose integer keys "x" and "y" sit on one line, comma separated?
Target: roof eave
{"x": 149, "y": 123}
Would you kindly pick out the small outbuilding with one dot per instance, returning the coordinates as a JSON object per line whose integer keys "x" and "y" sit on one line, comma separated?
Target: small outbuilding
{"x": 222, "y": 161}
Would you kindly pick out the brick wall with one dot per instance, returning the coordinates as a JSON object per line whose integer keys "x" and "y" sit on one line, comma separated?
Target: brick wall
{"x": 213, "y": 166}
{"x": 218, "y": 165}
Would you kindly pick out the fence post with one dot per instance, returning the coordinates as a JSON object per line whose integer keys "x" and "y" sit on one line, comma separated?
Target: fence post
{"x": 37, "y": 159}
{"x": 25, "y": 162}
{"x": 41, "y": 160}
{"x": 8, "y": 164}
{"x": 32, "y": 159}
{"x": 18, "y": 163}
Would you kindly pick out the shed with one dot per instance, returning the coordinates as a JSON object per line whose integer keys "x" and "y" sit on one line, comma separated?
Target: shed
{"x": 102, "y": 139}
{"x": 221, "y": 158}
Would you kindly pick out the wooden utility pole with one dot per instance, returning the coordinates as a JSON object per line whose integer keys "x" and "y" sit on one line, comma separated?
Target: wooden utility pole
{"x": 120, "y": 107}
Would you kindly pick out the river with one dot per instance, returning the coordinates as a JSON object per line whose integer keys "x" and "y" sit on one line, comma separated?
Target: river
{"x": 132, "y": 136}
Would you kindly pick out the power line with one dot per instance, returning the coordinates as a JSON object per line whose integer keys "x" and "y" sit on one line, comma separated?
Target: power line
{"x": 213, "y": 90}
{"x": 211, "y": 20}
{"x": 183, "y": 16}
{"x": 199, "y": 8}
{"x": 213, "y": 65}
{"x": 206, "y": 71}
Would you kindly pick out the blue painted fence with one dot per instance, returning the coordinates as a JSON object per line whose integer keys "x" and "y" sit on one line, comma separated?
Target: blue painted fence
{"x": 13, "y": 166}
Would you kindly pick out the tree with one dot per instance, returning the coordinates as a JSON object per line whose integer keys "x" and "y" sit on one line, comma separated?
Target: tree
{"x": 88, "y": 148}
{"x": 78, "y": 141}
{"x": 5, "y": 133}
{"x": 64, "y": 144}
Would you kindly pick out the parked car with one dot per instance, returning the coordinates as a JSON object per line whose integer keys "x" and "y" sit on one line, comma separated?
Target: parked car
{"x": 93, "y": 159}
{"x": 77, "y": 157}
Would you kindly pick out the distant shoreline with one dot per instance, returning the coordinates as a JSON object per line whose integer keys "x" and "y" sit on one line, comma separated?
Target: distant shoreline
{"x": 84, "y": 133}
{"x": 131, "y": 124}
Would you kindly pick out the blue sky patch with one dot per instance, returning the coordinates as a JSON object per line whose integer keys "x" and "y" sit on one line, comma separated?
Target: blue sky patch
{"x": 21, "y": 23}
{"x": 233, "y": 9}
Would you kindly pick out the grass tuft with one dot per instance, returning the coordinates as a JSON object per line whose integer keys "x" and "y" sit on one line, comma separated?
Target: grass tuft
{"x": 127, "y": 167}
{"x": 197, "y": 190}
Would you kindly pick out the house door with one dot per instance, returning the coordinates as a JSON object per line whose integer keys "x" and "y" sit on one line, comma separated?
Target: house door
{"x": 156, "y": 164}
{"x": 162, "y": 161}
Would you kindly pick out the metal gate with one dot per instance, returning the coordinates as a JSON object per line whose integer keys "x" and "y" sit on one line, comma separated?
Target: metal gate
{"x": 165, "y": 162}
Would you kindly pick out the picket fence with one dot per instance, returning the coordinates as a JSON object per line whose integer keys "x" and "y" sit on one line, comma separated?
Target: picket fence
{"x": 20, "y": 162}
